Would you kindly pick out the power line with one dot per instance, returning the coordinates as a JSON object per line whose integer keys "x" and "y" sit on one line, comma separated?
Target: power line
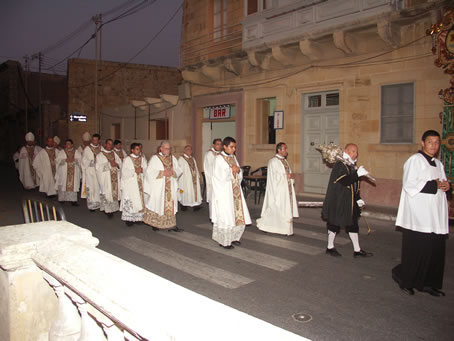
{"x": 123, "y": 65}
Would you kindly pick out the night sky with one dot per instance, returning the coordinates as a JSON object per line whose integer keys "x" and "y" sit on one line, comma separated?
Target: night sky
{"x": 31, "y": 26}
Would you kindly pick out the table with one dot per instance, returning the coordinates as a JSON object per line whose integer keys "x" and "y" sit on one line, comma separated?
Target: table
{"x": 257, "y": 179}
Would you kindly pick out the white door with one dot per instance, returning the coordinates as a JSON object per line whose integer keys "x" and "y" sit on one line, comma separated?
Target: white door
{"x": 213, "y": 130}
{"x": 320, "y": 126}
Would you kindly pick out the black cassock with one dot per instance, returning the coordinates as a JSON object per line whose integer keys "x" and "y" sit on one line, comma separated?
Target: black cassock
{"x": 340, "y": 208}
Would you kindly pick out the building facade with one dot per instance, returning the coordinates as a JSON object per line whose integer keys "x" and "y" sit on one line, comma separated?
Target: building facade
{"x": 130, "y": 102}
{"x": 336, "y": 71}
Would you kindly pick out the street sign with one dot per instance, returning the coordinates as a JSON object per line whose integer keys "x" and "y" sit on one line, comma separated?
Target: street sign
{"x": 77, "y": 117}
{"x": 278, "y": 120}
{"x": 219, "y": 112}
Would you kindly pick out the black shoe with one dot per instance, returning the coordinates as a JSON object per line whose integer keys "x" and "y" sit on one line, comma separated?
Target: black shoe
{"x": 183, "y": 208}
{"x": 129, "y": 223}
{"x": 154, "y": 228}
{"x": 227, "y": 247}
{"x": 236, "y": 242}
{"x": 333, "y": 252}
{"x": 196, "y": 208}
{"x": 362, "y": 253}
{"x": 109, "y": 215}
{"x": 74, "y": 204}
{"x": 91, "y": 211}
{"x": 177, "y": 229}
{"x": 433, "y": 292}
{"x": 408, "y": 291}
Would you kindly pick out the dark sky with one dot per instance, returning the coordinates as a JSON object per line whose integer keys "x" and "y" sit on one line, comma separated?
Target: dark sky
{"x": 30, "y": 26}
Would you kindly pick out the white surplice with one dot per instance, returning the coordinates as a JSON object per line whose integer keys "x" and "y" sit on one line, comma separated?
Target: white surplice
{"x": 61, "y": 178}
{"x": 190, "y": 196}
{"x": 279, "y": 206}
{"x": 91, "y": 180}
{"x": 26, "y": 166}
{"x": 223, "y": 213}
{"x": 108, "y": 203}
{"x": 154, "y": 185}
{"x": 131, "y": 195}
{"x": 208, "y": 162}
{"x": 43, "y": 168}
{"x": 422, "y": 212}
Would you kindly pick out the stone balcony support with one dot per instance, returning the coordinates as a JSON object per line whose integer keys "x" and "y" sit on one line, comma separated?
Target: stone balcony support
{"x": 232, "y": 66}
{"x": 340, "y": 41}
{"x": 389, "y": 32}
{"x": 212, "y": 72}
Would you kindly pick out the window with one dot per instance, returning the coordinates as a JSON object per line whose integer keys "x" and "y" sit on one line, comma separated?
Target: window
{"x": 254, "y": 6}
{"x": 265, "y": 121}
{"x": 397, "y": 106}
{"x": 219, "y": 19}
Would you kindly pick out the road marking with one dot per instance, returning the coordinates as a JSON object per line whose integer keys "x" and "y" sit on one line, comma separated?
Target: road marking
{"x": 318, "y": 236}
{"x": 195, "y": 268}
{"x": 250, "y": 256}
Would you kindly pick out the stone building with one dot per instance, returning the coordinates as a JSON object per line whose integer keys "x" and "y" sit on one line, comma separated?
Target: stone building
{"x": 336, "y": 71}
{"x": 19, "y": 106}
{"x": 131, "y": 101}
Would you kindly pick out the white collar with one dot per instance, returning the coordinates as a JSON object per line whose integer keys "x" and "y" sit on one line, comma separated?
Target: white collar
{"x": 70, "y": 149}
{"x": 91, "y": 144}
{"x": 117, "y": 150}
{"x": 225, "y": 154}
{"x": 348, "y": 158}
{"x": 279, "y": 157}
{"x": 105, "y": 150}
{"x": 134, "y": 155}
{"x": 47, "y": 147}
{"x": 187, "y": 156}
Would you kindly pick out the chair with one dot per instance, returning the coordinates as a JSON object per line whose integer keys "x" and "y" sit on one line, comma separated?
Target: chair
{"x": 36, "y": 210}
{"x": 244, "y": 183}
{"x": 204, "y": 189}
{"x": 260, "y": 184}
{"x": 246, "y": 170}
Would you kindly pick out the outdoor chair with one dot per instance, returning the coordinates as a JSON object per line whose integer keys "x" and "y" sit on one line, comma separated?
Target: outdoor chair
{"x": 36, "y": 210}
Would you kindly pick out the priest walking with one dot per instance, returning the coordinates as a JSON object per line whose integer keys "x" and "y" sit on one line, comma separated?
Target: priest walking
{"x": 45, "y": 167}
{"x": 132, "y": 201}
{"x": 88, "y": 167}
{"x": 279, "y": 207}
{"x": 27, "y": 155}
{"x": 341, "y": 207}
{"x": 108, "y": 166}
{"x": 229, "y": 212}
{"x": 161, "y": 190}
{"x": 423, "y": 217}
{"x": 67, "y": 179}
{"x": 189, "y": 181}
{"x": 208, "y": 162}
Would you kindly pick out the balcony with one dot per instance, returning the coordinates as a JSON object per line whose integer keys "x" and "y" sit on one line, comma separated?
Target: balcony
{"x": 293, "y": 20}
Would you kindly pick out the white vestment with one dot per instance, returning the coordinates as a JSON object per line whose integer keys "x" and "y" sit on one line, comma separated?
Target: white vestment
{"x": 208, "y": 162}
{"x": 109, "y": 195}
{"x": 192, "y": 195}
{"x": 154, "y": 185}
{"x": 121, "y": 153}
{"x": 83, "y": 191}
{"x": 25, "y": 172}
{"x": 422, "y": 212}
{"x": 62, "y": 181}
{"x": 43, "y": 168}
{"x": 224, "y": 214}
{"x": 91, "y": 180}
{"x": 279, "y": 206}
{"x": 131, "y": 194}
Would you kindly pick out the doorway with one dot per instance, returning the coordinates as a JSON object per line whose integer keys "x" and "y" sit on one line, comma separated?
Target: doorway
{"x": 212, "y": 130}
{"x": 320, "y": 126}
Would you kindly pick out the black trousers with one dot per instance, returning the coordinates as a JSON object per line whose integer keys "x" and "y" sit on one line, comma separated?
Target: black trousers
{"x": 423, "y": 260}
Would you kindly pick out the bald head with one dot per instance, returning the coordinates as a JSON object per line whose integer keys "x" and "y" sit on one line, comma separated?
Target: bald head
{"x": 352, "y": 150}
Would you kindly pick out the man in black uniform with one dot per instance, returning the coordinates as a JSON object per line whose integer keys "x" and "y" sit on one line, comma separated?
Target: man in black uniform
{"x": 341, "y": 207}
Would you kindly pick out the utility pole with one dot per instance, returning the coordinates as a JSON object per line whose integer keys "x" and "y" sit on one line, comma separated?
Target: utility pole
{"x": 40, "y": 113}
{"x": 26, "y": 92}
{"x": 98, "y": 40}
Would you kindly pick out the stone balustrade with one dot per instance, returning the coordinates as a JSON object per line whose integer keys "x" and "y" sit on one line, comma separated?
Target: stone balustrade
{"x": 56, "y": 285}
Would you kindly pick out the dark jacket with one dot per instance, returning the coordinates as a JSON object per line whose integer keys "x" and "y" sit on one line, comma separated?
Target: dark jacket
{"x": 339, "y": 206}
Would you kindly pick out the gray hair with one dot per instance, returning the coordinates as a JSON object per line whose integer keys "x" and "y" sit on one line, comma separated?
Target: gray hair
{"x": 163, "y": 142}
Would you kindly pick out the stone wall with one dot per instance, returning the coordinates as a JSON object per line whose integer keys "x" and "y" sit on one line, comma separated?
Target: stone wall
{"x": 118, "y": 84}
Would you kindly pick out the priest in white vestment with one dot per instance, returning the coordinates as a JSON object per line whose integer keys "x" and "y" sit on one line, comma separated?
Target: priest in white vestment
{"x": 108, "y": 166}
{"x": 189, "y": 181}
{"x": 45, "y": 167}
{"x": 423, "y": 217}
{"x": 88, "y": 167}
{"x": 161, "y": 190}
{"x": 279, "y": 206}
{"x": 229, "y": 212}
{"x": 27, "y": 155}
{"x": 67, "y": 179}
{"x": 208, "y": 162}
{"x": 85, "y": 142}
{"x": 132, "y": 172}
{"x": 118, "y": 149}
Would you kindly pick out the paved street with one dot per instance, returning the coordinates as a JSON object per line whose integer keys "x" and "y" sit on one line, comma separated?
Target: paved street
{"x": 273, "y": 277}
